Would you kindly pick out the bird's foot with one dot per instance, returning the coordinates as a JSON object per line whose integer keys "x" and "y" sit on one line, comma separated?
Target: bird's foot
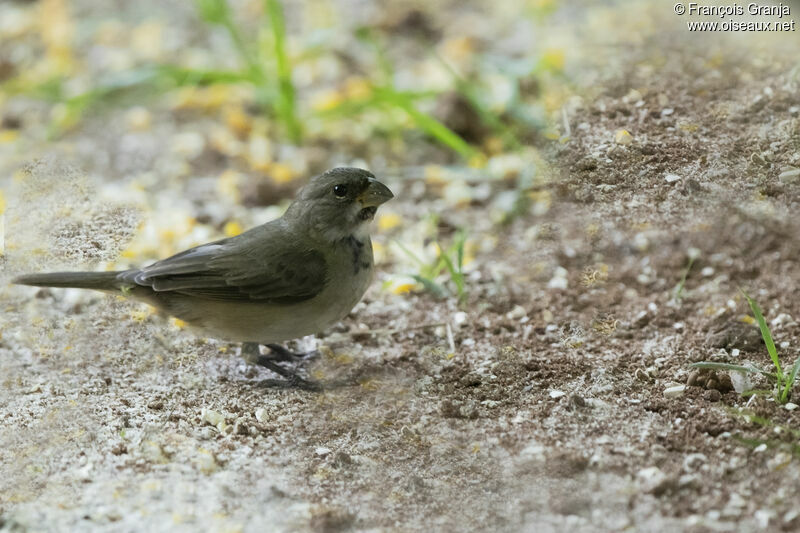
{"x": 251, "y": 352}
{"x": 292, "y": 379}
{"x": 279, "y": 353}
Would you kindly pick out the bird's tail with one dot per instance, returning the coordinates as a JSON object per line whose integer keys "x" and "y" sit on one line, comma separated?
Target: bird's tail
{"x": 101, "y": 281}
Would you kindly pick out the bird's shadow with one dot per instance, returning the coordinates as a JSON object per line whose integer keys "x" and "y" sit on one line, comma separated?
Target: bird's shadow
{"x": 320, "y": 386}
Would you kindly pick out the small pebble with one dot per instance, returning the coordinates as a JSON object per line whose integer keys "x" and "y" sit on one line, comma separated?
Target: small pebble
{"x": 790, "y": 406}
{"x": 623, "y": 137}
{"x": 459, "y": 318}
{"x": 674, "y": 391}
{"x": 322, "y": 451}
{"x": 789, "y": 176}
{"x": 712, "y": 395}
{"x": 652, "y": 480}
{"x": 554, "y": 394}
{"x": 516, "y": 313}
{"x": 672, "y": 178}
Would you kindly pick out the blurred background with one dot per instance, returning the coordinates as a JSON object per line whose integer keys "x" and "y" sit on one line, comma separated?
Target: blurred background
{"x": 581, "y": 189}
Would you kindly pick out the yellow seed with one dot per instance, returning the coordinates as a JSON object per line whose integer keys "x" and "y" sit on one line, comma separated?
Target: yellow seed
{"x": 553, "y": 59}
{"x": 8, "y": 136}
{"x": 404, "y": 288}
{"x": 281, "y": 173}
{"x": 478, "y": 161}
{"x": 386, "y": 221}
{"x": 239, "y": 121}
{"x": 623, "y": 137}
{"x": 357, "y": 88}
{"x": 327, "y": 101}
{"x": 232, "y": 228}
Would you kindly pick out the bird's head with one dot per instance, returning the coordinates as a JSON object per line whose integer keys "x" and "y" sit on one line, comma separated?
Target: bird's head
{"x": 340, "y": 202}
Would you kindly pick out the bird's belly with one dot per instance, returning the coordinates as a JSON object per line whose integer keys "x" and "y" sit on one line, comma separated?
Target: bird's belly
{"x": 274, "y": 323}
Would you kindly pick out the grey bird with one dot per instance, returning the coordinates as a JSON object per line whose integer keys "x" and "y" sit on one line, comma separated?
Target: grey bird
{"x": 291, "y": 277}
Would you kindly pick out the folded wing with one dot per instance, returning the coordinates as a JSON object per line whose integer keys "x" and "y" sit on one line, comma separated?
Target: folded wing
{"x": 264, "y": 264}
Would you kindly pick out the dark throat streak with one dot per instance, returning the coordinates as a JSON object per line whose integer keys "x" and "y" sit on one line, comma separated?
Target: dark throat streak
{"x": 357, "y": 249}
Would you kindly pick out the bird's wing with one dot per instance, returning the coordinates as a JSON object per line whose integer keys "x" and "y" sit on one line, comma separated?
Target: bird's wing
{"x": 263, "y": 264}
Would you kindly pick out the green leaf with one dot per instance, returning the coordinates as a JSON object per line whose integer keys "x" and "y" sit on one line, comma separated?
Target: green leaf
{"x": 213, "y": 11}
{"x": 427, "y": 123}
{"x": 790, "y": 380}
{"x": 287, "y": 103}
{"x": 765, "y": 333}
{"x": 431, "y": 286}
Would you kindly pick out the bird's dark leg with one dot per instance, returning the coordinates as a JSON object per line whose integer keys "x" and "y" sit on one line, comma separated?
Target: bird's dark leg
{"x": 293, "y": 380}
{"x": 279, "y": 353}
{"x": 252, "y": 354}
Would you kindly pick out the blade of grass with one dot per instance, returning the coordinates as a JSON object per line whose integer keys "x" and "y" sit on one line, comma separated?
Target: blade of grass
{"x": 431, "y": 286}
{"x": 410, "y": 254}
{"x": 427, "y": 123}
{"x": 679, "y": 288}
{"x": 735, "y": 368}
{"x": 455, "y": 275}
{"x": 470, "y": 92}
{"x": 756, "y": 392}
{"x": 765, "y": 333}
{"x": 181, "y": 76}
{"x": 218, "y": 12}
{"x": 790, "y": 380}
{"x": 287, "y": 103}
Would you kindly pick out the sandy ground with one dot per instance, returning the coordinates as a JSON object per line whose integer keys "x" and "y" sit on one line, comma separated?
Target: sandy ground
{"x": 551, "y": 399}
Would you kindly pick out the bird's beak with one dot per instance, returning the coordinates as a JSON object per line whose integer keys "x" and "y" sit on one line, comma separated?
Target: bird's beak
{"x": 375, "y": 194}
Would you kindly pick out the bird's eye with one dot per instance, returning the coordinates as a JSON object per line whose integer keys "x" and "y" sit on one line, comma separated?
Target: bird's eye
{"x": 340, "y": 190}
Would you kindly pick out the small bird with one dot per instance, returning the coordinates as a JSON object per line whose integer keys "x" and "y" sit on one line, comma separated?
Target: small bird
{"x": 291, "y": 277}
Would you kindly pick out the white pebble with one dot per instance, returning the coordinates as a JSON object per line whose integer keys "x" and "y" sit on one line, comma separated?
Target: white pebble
{"x": 651, "y": 478}
{"x": 459, "y": 318}
{"x": 672, "y": 178}
{"x": 760, "y": 448}
{"x": 211, "y": 416}
{"x": 516, "y": 313}
{"x": 558, "y": 283}
{"x": 675, "y": 391}
{"x": 322, "y": 450}
{"x": 555, "y": 394}
{"x": 707, "y": 272}
{"x": 790, "y": 406}
{"x": 261, "y": 414}
{"x": 789, "y": 176}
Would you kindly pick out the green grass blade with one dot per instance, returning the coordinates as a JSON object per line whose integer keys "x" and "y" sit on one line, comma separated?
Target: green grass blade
{"x": 431, "y": 286}
{"x": 765, "y": 333}
{"x": 460, "y": 241}
{"x": 455, "y": 275}
{"x": 410, "y": 254}
{"x": 470, "y": 92}
{"x": 287, "y": 103}
{"x": 757, "y": 392}
{"x": 728, "y": 366}
{"x": 679, "y": 288}
{"x": 427, "y": 123}
{"x": 212, "y": 11}
{"x": 181, "y": 76}
{"x": 790, "y": 380}
{"x": 218, "y": 12}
